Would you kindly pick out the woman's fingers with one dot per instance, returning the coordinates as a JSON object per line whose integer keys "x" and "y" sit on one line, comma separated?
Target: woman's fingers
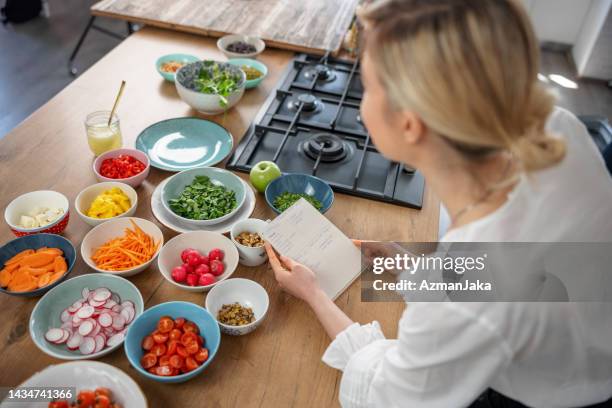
{"x": 357, "y": 242}
{"x": 274, "y": 262}
{"x": 288, "y": 262}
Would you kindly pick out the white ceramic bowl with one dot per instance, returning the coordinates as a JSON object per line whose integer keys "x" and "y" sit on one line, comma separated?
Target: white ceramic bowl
{"x": 133, "y": 181}
{"x": 250, "y": 256}
{"x": 224, "y": 41}
{"x": 209, "y": 104}
{"x": 23, "y": 204}
{"x": 203, "y": 241}
{"x": 87, "y": 196}
{"x": 86, "y": 375}
{"x": 113, "y": 229}
{"x": 244, "y": 291}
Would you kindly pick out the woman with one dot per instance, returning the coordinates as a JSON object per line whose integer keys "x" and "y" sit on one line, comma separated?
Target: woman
{"x": 451, "y": 88}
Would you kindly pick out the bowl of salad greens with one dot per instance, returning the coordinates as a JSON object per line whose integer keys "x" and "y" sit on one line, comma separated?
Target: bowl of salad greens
{"x": 203, "y": 196}
{"x": 210, "y": 87}
{"x": 284, "y": 191}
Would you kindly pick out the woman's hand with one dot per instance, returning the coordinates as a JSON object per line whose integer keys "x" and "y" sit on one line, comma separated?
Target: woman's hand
{"x": 293, "y": 277}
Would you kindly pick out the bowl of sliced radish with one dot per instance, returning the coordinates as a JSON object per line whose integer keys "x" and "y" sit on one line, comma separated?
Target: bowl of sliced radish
{"x": 85, "y": 317}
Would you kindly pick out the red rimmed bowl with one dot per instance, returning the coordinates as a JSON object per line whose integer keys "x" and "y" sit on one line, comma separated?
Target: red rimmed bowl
{"x": 133, "y": 181}
{"x": 27, "y": 202}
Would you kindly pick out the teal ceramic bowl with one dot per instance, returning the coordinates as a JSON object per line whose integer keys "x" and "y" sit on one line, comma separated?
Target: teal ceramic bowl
{"x": 147, "y": 323}
{"x": 47, "y": 312}
{"x": 182, "y": 58}
{"x": 185, "y": 143}
{"x": 177, "y": 183}
{"x": 300, "y": 184}
{"x": 260, "y": 66}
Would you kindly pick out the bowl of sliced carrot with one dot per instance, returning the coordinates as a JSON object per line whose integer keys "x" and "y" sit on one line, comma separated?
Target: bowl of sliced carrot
{"x": 122, "y": 246}
{"x": 33, "y": 264}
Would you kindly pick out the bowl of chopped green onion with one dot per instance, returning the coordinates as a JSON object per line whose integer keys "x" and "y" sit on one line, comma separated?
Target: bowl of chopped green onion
{"x": 203, "y": 196}
{"x": 286, "y": 190}
{"x": 210, "y": 87}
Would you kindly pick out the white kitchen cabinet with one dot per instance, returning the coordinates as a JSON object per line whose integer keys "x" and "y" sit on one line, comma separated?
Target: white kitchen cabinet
{"x": 558, "y": 21}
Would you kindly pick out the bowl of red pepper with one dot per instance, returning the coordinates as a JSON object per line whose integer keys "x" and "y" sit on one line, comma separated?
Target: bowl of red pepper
{"x": 129, "y": 166}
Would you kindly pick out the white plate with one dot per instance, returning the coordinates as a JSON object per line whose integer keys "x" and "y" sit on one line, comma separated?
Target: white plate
{"x": 84, "y": 375}
{"x": 223, "y": 227}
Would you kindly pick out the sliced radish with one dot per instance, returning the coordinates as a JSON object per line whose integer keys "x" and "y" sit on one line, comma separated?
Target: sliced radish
{"x": 128, "y": 303}
{"x": 85, "y": 292}
{"x": 66, "y": 326}
{"x": 85, "y": 328}
{"x": 109, "y": 303}
{"x": 64, "y": 337}
{"x": 74, "y": 341}
{"x": 115, "y": 339}
{"x": 118, "y": 322}
{"x": 53, "y": 335}
{"x": 116, "y": 298}
{"x": 116, "y": 308}
{"x": 100, "y": 343}
{"x": 65, "y": 316}
{"x": 85, "y": 311}
{"x": 101, "y": 294}
{"x": 75, "y": 306}
{"x": 87, "y": 346}
{"x": 96, "y": 303}
{"x": 105, "y": 319}
{"x": 76, "y": 320}
{"x": 96, "y": 330}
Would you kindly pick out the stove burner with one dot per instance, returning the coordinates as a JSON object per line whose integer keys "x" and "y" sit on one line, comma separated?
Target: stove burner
{"x": 321, "y": 72}
{"x": 310, "y": 103}
{"x": 330, "y": 147}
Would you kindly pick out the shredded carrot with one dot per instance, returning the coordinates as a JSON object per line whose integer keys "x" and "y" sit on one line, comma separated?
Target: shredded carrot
{"x": 129, "y": 251}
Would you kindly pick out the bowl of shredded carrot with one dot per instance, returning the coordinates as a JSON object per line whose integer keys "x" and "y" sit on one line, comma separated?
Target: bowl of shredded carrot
{"x": 122, "y": 246}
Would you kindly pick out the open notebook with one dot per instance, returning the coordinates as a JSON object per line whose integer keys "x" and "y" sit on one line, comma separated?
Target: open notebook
{"x": 304, "y": 234}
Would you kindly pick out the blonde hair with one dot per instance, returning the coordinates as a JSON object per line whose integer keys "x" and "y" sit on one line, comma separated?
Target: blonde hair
{"x": 469, "y": 69}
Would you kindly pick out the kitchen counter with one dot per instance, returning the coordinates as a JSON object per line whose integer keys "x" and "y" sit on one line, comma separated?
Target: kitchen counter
{"x": 278, "y": 364}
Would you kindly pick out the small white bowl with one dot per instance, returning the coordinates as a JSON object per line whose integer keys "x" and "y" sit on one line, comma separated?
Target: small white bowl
{"x": 116, "y": 228}
{"x": 23, "y": 204}
{"x": 88, "y": 375}
{"x": 203, "y": 241}
{"x": 244, "y": 291}
{"x": 88, "y": 195}
{"x": 250, "y": 256}
{"x": 224, "y": 41}
{"x": 133, "y": 181}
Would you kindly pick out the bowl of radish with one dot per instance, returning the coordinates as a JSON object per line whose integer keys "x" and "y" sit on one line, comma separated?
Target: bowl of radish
{"x": 85, "y": 317}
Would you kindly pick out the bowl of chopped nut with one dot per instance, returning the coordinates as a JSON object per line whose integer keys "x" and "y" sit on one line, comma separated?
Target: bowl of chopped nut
{"x": 247, "y": 235}
{"x": 239, "y": 305}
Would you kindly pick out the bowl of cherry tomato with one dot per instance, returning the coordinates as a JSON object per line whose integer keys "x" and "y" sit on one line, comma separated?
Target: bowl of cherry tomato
{"x": 129, "y": 166}
{"x": 172, "y": 342}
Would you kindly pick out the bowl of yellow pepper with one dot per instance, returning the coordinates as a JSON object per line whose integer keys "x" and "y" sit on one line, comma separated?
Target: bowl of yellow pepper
{"x": 104, "y": 201}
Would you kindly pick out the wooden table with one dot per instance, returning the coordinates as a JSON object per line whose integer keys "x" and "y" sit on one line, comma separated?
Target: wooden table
{"x": 279, "y": 364}
{"x": 314, "y": 26}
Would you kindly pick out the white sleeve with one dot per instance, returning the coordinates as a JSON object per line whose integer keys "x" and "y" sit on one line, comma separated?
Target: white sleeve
{"x": 444, "y": 356}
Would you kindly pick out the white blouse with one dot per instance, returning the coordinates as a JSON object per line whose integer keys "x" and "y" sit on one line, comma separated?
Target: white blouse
{"x": 541, "y": 354}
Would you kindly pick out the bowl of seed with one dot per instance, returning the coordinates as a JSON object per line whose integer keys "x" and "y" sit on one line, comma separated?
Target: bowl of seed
{"x": 247, "y": 235}
{"x": 239, "y": 305}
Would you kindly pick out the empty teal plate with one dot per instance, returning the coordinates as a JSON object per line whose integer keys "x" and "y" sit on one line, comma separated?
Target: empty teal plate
{"x": 185, "y": 143}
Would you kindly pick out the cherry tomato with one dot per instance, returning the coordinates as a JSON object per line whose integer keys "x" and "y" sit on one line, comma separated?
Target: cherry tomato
{"x": 178, "y": 323}
{"x": 164, "y": 361}
{"x": 103, "y": 391}
{"x": 190, "y": 327}
{"x": 176, "y": 361}
{"x": 200, "y": 340}
{"x": 102, "y": 401}
{"x": 180, "y": 350}
{"x": 153, "y": 370}
{"x": 165, "y": 324}
{"x": 159, "y": 350}
{"x": 189, "y": 337}
{"x": 172, "y": 344}
{"x": 160, "y": 338}
{"x": 192, "y": 347}
{"x": 148, "y": 343}
{"x": 190, "y": 364}
{"x": 85, "y": 399}
{"x": 148, "y": 360}
{"x": 201, "y": 356}
{"x": 164, "y": 371}
{"x": 175, "y": 334}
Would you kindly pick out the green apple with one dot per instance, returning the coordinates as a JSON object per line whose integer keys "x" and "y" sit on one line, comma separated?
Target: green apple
{"x": 263, "y": 173}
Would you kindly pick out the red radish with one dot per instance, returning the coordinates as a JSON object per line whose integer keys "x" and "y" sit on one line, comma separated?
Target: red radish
{"x": 74, "y": 341}
{"x": 115, "y": 339}
{"x": 85, "y": 328}
{"x": 96, "y": 330}
{"x": 207, "y": 279}
{"x": 96, "y": 303}
{"x": 201, "y": 269}
{"x": 205, "y": 260}
{"x": 85, "y": 311}
{"x": 116, "y": 298}
{"x": 100, "y": 343}
{"x": 179, "y": 274}
{"x": 54, "y": 335}
{"x": 116, "y": 308}
{"x": 110, "y": 303}
{"x": 128, "y": 303}
{"x": 186, "y": 252}
{"x": 192, "y": 279}
{"x": 216, "y": 254}
{"x": 85, "y": 293}
{"x": 188, "y": 268}
{"x": 101, "y": 294}
{"x": 118, "y": 322}
{"x": 67, "y": 326}
{"x": 217, "y": 267}
{"x": 64, "y": 337}
{"x": 87, "y": 346}
{"x": 76, "y": 320}
{"x": 65, "y": 316}
{"x": 194, "y": 260}
{"x": 105, "y": 319}
{"x": 75, "y": 306}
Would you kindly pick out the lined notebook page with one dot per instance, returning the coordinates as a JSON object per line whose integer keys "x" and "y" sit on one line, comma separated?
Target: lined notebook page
{"x": 304, "y": 234}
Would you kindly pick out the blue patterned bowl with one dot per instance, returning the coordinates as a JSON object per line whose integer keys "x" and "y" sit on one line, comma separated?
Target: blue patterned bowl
{"x": 15, "y": 246}
{"x": 300, "y": 184}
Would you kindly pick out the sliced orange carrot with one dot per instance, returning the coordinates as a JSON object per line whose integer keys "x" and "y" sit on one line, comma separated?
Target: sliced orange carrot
{"x": 19, "y": 256}
{"x": 60, "y": 265}
{"x": 55, "y": 277}
{"x": 44, "y": 279}
{"x": 52, "y": 251}
{"x": 50, "y": 267}
{"x": 34, "y": 271}
{"x": 36, "y": 260}
{"x": 5, "y": 277}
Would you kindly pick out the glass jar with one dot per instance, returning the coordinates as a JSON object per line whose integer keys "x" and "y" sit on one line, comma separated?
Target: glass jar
{"x": 100, "y": 136}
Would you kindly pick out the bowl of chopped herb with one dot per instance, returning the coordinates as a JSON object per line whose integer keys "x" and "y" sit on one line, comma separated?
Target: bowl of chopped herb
{"x": 284, "y": 191}
{"x": 255, "y": 70}
{"x": 203, "y": 196}
{"x": 210, "y": 87}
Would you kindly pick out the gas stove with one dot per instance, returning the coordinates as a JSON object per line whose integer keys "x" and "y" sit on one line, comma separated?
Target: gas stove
{"x": 311, "y": 125}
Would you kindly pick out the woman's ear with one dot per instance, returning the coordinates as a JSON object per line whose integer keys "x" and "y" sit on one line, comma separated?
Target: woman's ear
{"x": 413, "y": 128}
